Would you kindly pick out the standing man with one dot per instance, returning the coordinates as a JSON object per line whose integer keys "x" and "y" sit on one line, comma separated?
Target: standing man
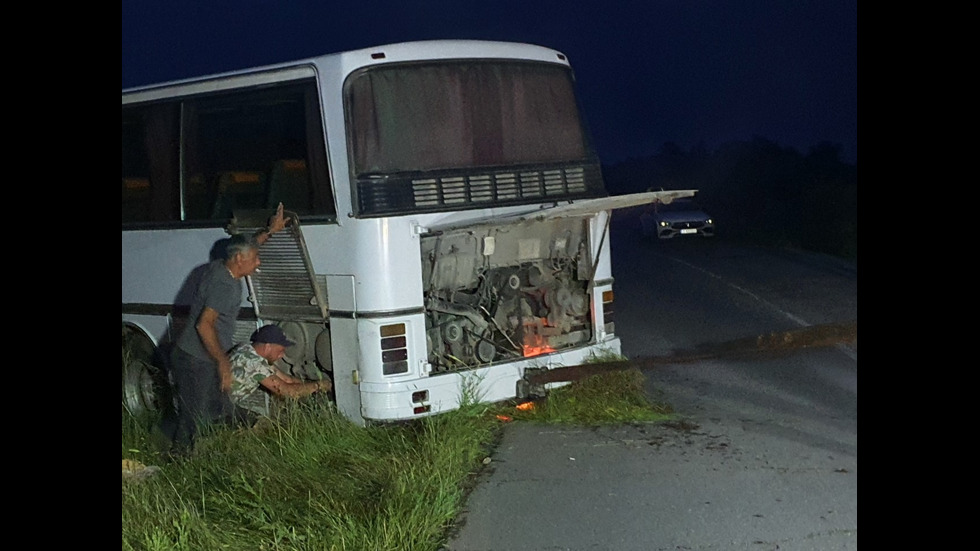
{"x": 253, "y": 369}
{"x": 200, "y": 363}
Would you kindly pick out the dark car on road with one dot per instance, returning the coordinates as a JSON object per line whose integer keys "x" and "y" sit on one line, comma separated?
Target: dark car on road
{"x": 681, "y": 216}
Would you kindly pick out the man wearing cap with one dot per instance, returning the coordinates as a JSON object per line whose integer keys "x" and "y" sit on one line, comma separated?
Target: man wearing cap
{"x": 253, "y": 366}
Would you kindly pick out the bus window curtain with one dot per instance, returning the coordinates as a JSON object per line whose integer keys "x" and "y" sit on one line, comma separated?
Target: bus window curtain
{"x": 463, "y": 115}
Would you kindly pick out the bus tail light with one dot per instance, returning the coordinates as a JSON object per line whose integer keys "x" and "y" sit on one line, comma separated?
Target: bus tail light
{"x": 394, "y": 351}
{"x": 607, "y": 312}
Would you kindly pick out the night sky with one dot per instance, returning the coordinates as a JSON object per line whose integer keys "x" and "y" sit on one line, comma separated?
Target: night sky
{"x": 648, "y": 72}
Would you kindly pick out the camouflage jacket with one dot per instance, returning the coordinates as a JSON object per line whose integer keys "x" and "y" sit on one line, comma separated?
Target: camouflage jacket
{"x": 248, "y": 370}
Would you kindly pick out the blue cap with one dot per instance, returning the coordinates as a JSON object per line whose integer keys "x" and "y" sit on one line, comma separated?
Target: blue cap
{"x": 271, "y": 334}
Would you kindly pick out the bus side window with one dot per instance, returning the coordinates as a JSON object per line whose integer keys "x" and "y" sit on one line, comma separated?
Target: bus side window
{"x": 199, "y": 196}
{"x": 289, "y": 184}
{"x": 135, "y": 199}
{"x": 239, "y": 190}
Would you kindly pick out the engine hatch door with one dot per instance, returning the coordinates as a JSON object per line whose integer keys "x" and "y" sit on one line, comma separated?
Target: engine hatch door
{"x": 584, "y": 207}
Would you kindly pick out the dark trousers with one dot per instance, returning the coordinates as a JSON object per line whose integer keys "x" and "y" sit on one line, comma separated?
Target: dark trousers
{"x": 200, "y": 401}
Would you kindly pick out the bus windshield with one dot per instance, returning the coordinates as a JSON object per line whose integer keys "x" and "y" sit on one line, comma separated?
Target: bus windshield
{"x": 464, "y": 114}
{"x": 456, "y": 135}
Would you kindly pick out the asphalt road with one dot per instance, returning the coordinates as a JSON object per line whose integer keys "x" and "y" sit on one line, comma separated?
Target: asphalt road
{"x": 763, "y": 455}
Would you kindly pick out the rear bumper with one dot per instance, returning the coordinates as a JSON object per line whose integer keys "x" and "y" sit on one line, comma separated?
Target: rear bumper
{"x": 445, "y": 392}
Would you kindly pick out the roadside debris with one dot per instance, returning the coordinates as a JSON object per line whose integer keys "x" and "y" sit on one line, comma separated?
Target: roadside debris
{"x": 136, "y": 471}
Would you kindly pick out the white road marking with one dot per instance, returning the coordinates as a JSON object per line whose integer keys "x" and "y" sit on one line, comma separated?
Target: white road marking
{"x": 846, "y": 350}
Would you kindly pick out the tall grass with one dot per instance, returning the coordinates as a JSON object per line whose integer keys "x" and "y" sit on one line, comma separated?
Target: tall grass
{"x": 311, "y": 480}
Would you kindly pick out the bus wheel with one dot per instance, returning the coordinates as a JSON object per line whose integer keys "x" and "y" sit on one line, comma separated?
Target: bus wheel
{"x": 144, "y": 384}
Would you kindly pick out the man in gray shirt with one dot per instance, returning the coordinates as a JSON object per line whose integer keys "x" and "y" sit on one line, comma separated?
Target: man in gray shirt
{"x": 199, "y": 361}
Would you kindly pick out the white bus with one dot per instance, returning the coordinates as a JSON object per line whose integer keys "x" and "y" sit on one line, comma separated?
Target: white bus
{"x": 450, "y": 223}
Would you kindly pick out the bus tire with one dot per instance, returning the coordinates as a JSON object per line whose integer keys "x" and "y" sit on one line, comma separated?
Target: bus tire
{"x": 145, "y": 388}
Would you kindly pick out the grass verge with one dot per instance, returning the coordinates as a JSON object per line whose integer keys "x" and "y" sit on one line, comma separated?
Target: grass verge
{"x": 311, "y": 480}
{"x": 610, "y": 398}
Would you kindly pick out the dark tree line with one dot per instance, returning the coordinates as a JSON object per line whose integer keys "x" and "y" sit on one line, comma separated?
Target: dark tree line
{"x": 758, "y": 190}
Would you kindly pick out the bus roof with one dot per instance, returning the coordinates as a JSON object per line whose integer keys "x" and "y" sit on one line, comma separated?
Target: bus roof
{"x": 355, "y": 59}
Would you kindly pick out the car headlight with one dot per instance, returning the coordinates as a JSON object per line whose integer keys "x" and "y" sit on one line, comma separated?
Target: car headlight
{"x": 663, "y": 224}
{"x": 710, "y": 221}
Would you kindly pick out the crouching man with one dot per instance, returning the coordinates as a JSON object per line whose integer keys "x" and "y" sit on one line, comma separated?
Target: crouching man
{"x": 252, "y": 367}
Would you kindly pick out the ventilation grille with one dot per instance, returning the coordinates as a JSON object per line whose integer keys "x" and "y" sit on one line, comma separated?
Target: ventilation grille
{"x": 244, "y": 330}
{"x": 285, "y": 287}
{"x": 425, "y": 192}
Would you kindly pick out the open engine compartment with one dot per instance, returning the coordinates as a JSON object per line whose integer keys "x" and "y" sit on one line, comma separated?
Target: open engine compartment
{"x": 500, "y": 293}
